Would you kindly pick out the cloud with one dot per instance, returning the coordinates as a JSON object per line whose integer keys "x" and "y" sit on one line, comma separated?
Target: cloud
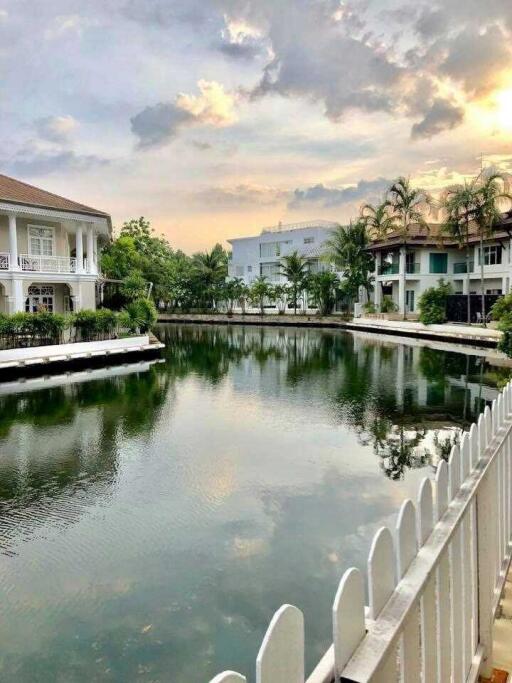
{"x": 325, "y": 197}
{"x": 241, "y": 41}
{"x": 239, "y": 196}
{"x": 442, "y": 115}
{"x": 159, "y": 124}
{"x": 56, "y": 128}
{"x": 33, "y": 163}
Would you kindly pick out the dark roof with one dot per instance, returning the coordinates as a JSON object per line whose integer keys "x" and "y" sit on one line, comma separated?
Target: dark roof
{"x": 434, "y": 236}
{"x": 18, "y": 192}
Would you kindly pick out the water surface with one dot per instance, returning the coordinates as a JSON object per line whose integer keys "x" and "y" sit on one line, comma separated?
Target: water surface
{"x": 152, "y": 518}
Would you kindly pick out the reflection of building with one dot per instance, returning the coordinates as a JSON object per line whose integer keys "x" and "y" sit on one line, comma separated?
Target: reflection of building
{"x": 48, "y": 250}
{"x": 404, "y": 271}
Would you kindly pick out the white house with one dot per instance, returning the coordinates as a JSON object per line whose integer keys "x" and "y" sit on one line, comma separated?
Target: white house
{"x": 262, "y": 254}
{"x": 48, "y": 249}
{"x": 403, "y": 270}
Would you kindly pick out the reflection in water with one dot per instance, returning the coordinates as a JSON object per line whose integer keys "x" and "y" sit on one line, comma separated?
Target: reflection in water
{"x": 152, "y": 520}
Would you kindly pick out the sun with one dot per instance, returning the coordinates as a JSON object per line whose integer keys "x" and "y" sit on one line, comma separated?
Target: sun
{"x": 503, "y": 109}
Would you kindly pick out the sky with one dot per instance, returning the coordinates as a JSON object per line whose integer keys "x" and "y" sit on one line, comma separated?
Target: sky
{"x": 215, "y": 118}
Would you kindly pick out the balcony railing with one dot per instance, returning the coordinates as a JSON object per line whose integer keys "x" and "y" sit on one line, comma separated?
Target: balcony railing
{"x": 459, "y": 268}
{"x": 412, "y": 268}
{"x": 47, "y": 264}
{"x": 389, "y": 269}
{"x": 5, "y": 260}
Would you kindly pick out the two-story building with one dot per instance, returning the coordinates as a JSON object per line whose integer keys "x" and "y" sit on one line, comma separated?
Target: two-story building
{"x": 48, "y": 250}
{"x": 404, "y": 269}
{"x": 262, "y": 254}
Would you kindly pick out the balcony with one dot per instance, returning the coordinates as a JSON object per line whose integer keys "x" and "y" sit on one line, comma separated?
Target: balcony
{"x": 459, "y": 268}
{"x": 5, "y": 261}
{"x": 389, "y": 269}
{"x": 412, "y": 268}
{"x": 47, "y": 264}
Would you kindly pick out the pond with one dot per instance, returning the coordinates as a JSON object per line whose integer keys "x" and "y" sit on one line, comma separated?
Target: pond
{"x": 153, "y": 517}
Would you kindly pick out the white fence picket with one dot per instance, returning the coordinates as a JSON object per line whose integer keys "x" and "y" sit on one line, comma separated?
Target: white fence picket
{"x": 407, "y": 548}
{"x": 229, "y": 677}
{"x": 348, "y": 618}
{"x": 467, "y": 575}
{"x": 281, "y": 655}
{"x": 444, "y": 637}
{"x": 454, "y": 471}
{"x": 428, "y": 599}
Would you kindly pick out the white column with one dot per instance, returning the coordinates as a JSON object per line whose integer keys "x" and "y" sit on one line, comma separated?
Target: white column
{"x": 95, "y": 252}
{"x": 377, "y": 287}
{"x": 13, "y": 242}
{"x": 401, "y": 282}
{"x": 79, "y": 249}
{"x": 90, "y": 249}
{"x": 16, "y": 300}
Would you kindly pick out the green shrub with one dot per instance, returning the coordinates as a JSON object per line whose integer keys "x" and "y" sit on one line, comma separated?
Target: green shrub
{"x": 369, "y": 307}
{"x": 502, "y": 308}
{"x": 388, "y": 305}
{"x": 140, "y": 315}
{"x": 432, "y": 303}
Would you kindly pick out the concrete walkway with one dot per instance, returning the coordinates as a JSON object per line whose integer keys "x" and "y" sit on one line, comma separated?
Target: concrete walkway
{"x": 472, "y": 334}
{"x": 502, "y": 656}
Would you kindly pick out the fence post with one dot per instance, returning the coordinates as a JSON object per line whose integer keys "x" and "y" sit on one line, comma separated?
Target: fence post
{"x": 486, "y": 570}
{"x": 348, "y": 620}
{"x": 281, "y": 655}
{"x": 229, "y": 677}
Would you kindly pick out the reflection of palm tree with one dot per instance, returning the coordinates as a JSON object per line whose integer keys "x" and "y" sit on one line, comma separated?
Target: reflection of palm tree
{"x": 397, "y": 449}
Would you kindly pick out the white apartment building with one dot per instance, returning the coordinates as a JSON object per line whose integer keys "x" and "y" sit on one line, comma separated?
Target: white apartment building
{"x": 262, "y": 254}
{"x": 403, "y": 271}
{"x": 48, "y": 250}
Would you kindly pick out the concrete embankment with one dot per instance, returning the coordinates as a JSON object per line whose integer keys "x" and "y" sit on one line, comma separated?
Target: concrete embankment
{"x": 461, "y": 334}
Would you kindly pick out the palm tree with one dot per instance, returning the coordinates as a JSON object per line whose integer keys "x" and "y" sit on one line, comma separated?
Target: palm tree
{"x": 323, "y": 287}
{"x": 378, "y": 220}
{"x": 347, "y": 250}
{"x": 459, "y": 205}
{"x": 210, "y": 268}
{"x": 296, "y": 269}
{"x": 281, "y": 292}
{"x": 261, "y": 289}
{"x": 491, "y": 192}
{"x": 408, "y": 205}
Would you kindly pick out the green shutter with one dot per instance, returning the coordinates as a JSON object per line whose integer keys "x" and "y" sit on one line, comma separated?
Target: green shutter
{"x": 438, "y": 263}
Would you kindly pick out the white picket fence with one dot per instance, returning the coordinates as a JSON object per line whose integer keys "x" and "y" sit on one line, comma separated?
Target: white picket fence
{"x": 434, "y": 586}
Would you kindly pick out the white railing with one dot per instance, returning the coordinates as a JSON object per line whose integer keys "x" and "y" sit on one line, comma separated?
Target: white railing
{"x": 5, "y": 260}
{"x": 434, "y": 585}
{"x": 47, "y": 264}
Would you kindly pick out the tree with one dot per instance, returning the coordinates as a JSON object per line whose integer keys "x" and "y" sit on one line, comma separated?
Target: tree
{"x": 323, "y": 286}
{"x": 261, "y": 290}
{"x": 408, "y": 206}
{"x": 233, "y": 290}
{"x": 134, "y": 286}
{"x": 459, "y": 205}
{"x": 347, "y": 250}
{"x": 210, "y": 269}
{"x": 491, "y": 192}
{"x": 281, "y": 292}
{"x": 296, "y": 270}
{"x": 378, "y": 220}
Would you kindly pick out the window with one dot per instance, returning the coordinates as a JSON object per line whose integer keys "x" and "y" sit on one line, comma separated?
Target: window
{"x": 40, "y": 241}
{"x": 494, "y": 291}
{"x": 492, "y": 256}
{"x": 239, "y": 271}
{"x": 40, "y": 298}
{"x": 249, "y": 269}
{"x": 309, "y": 240}
{"x": 438, "y": 263}
{"x": 270, "y": 270}
{"x": 272, "y": 248}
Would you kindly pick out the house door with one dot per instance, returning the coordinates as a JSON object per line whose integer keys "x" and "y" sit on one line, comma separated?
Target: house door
{"x": 40, "y": 298}
{"x": 409, "y": 300}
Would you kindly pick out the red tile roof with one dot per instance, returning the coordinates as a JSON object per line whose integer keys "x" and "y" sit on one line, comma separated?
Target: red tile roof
{"x": 17, "y": 192}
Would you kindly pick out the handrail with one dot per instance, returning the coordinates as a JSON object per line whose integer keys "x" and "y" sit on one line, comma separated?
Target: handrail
{"x": 5, "y": 260}
{"x": 440, "y": 608}
{"x": 47, "y": 264}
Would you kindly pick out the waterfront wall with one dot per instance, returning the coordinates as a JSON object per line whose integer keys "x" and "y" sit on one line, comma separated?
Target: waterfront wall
{"x": 434, "y": 582}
